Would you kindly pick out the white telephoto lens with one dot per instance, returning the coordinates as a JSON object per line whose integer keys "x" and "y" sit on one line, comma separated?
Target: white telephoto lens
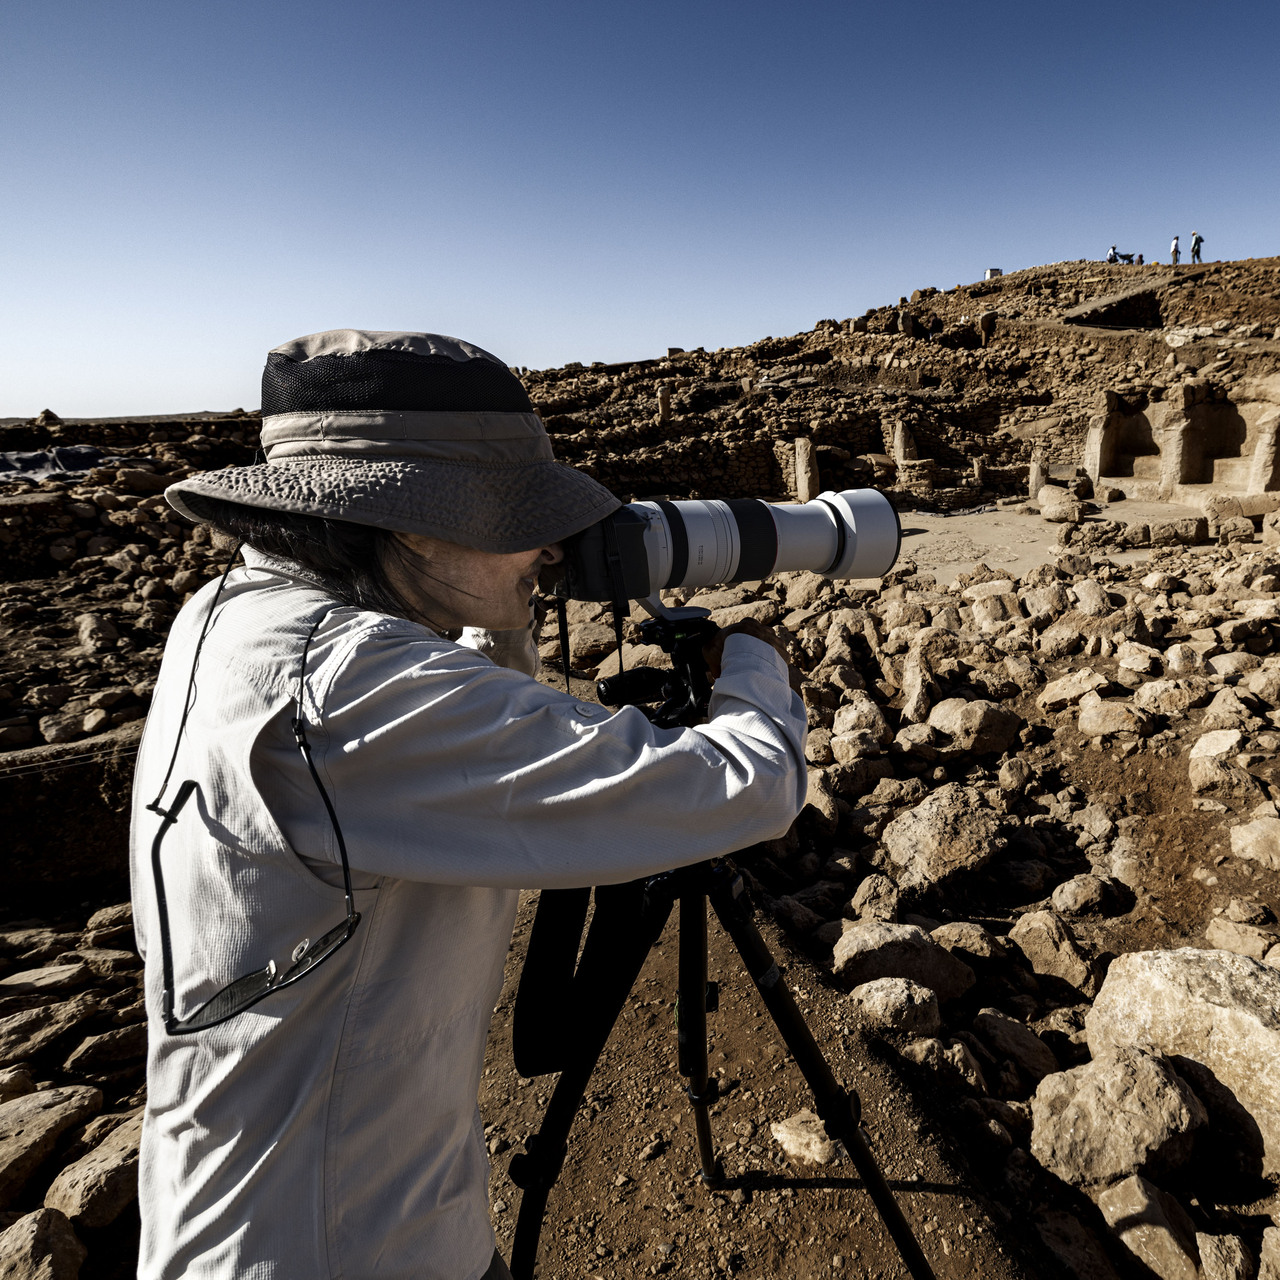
{"x": 712, "y": 534}
{"x": 872, "y": 533}
{"x": 702, "y": 543}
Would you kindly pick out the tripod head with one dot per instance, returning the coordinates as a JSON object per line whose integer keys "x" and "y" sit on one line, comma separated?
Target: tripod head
{"x": 682, "y": 691}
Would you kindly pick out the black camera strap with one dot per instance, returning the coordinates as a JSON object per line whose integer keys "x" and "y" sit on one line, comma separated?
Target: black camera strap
{"x": 562, "y": 628}
{"x": 619, "y": 605}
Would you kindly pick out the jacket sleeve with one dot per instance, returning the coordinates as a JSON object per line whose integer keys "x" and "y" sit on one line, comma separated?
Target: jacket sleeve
{"x": 448, "y": 769}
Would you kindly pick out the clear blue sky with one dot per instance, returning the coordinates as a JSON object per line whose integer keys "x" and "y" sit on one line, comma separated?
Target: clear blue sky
{"x": 188, "y": 184}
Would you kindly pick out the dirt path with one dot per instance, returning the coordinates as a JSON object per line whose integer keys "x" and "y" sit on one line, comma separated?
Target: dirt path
{"x": 629, "y": 1201}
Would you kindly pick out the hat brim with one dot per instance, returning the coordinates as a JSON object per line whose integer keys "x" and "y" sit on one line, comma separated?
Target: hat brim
{"x": 499, "y": 508}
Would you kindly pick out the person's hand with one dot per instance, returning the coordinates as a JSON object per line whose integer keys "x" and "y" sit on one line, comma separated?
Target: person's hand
{"x": 713, "y": 651}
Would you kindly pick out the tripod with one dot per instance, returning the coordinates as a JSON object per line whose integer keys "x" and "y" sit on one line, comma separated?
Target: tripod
{"x": 563, "y": 1017}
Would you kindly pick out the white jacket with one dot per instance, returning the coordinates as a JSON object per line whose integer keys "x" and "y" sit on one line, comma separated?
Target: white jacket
{"x": 332, "y": 1129}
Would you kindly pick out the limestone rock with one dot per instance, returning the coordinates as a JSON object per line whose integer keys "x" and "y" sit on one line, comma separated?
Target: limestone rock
{"x": 1075, "y": 1245}
{"x": 1228, "y": 711}
{"x": 52, "y": 978}
{"x": 952, "y": 1058}
{"x": 1141, "y": 658}
{"x": 982, "y": 728}
{"x": 1243, "y": 939}
{"x": 1170, "y": 697}
{"x": 971, "y": 943}
{"x": 1081, "y": 895}
{"x": 1091, "y": 598}
{"x": 803, "y": 1137}
{"x": 950, "y": 831}
{"x": 95, "y": 632}
{"x": 30, "y": 1125}
{"x": 1099, "y": 719}
{"x": 1153, "y": 1226}
{"x": 1014, "y": 775}
{"x": 41, "y": 1246}
{"x": 15, "y": 1082}
{"x": 1224, "y": 1257}
{"x": 876, "y": 898}
{"x": 1011, "y": 1039}
{"x": 1220, "y": 742}
{"x": 859, "y": 712}
{"x": 1067, "y": 691}
{"x": 1051, "y": 948}
{"x": 1044, "y": 604}
{"x": 24, "y": 1034}
{"x": 1214, "y": 776}
{"x": 1125, "y": 1112}
{"x": 871, "y": 949}
{"x": 1058, "y": 506}
{"x": 898, "y": 1004}
{"x": 1215, "y": 1008}
{"x": 1269, "y": 1261}
{"x": 1258, "y": 841}
{"x": 917, "y": 740}
{"x": 93, "y": 1191}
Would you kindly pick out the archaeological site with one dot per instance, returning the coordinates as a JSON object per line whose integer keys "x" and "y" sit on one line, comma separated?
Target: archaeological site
{"x": 1031, "y": 910}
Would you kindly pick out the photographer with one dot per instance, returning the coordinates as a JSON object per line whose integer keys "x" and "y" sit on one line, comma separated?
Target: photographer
{"x": 347, "y": 724}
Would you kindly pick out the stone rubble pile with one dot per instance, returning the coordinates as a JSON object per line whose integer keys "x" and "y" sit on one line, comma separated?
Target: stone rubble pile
{"x": 973, "y": 905}
{"x": 72, "y": 1059}
{"x": 93, "y": 569}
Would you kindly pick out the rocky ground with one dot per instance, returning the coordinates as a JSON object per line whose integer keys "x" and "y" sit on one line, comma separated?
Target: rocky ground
{"x": 1031, "y": 906}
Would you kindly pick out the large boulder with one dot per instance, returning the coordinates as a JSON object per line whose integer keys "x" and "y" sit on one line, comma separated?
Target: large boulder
{"x": 1099, "y": 718}
{"x": 1017, "y": 1043}
{"x": 1125, "y": 1112}
{"x": 859, "y": 713}
{"x": 41, "y": 1246}
{"x": 1213, "y": 1008}
{"x": 950, "y": 831}
{"x": 94, "y": 1190}
{"x": 1259, "y": 841}
{"x": 1154, "y": 1227}
{"x": 898, "y": 1004}
{"x": 1051, "y": 949}
{"x": 25, "y": 1033}
{"x": 1069, "y": 689}
{"x": 871, "y": 949}
{"x": 31, "y": 1125}
{"x": 1059, "y": 506}
{"x": 980, "y": 727}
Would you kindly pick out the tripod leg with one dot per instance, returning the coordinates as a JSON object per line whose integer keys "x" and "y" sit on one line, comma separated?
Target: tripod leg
{"x": 691, "y": 1028}
{"x": 839, "y": 1110}
{"x": 618, "y": 942}
{"x": 541, "y": 1022}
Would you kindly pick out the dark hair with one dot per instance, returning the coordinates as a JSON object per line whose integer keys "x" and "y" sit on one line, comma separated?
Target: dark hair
{"x": 348, "y": 559}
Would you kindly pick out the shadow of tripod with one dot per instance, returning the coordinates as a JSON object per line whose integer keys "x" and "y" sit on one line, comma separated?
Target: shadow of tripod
{"x": 564, "y": 1015}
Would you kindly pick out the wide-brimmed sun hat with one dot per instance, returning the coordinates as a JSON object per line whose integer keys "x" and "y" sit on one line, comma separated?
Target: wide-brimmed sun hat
{"x": 414, "y": 432}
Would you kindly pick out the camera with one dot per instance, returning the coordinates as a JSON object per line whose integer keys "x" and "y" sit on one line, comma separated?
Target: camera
{"x": 647, "y": 547}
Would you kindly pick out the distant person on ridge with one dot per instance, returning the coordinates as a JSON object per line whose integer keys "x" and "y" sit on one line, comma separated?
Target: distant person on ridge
{"x": 1174, "y": 252}
{"x": 1196, "y": 241}
{"x": 1112, "y": 255}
